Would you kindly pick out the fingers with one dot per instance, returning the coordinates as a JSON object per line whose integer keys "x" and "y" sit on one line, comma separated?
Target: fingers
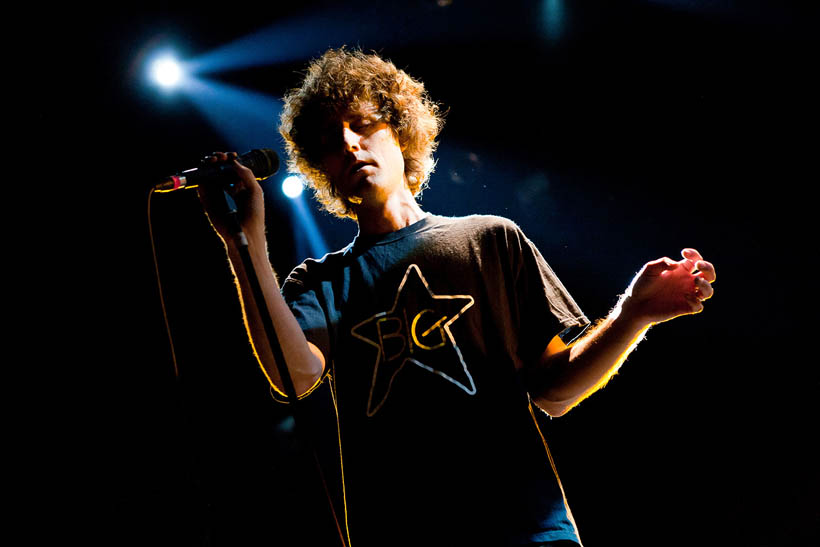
{"x": 695, "y": 302}
{"x": 691, "y": 258}
{"x": 703, "y": 289}
{"x": 693, "y": 263}
{"x": 215, "y": 157}
{"x": 656, "y": 267}
{"x": 245, "y": 175}
{"x": 207, "y": 192}
{"x": 704, "y": 273}
{"x": 695, "y": 305}
{"x": 225, "y": 157}
{"x": 705, "y": 269}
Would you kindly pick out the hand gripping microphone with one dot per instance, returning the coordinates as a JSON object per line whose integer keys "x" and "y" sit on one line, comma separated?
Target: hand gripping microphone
{"x": 263, "y": 162}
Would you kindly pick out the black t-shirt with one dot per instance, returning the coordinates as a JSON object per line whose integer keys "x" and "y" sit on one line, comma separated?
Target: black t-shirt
{"x": 424, "y": 331}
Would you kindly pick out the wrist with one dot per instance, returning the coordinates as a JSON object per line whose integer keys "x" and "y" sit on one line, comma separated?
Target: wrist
{"x": 256, "y": 243}
{"x": 625, "y": 315}
{"x": 253, "y": 235}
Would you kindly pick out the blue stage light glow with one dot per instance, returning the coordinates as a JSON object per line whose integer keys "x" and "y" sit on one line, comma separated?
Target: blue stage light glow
{"x": 553, "y": 19}
{"x": 246, "y": 119}
{"x": 292, "y": 186}
{"x": 305, "y": 37}
{"x": 167, "y": 72}
{"x": 308, "y": 237}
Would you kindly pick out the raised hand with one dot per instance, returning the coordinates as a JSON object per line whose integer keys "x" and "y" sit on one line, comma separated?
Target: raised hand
{"x": 247, "y": 194}
{"x": 665, "y": 289}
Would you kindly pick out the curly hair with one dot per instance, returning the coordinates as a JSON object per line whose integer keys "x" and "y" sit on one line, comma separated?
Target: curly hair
{"x": 339, "y": 82}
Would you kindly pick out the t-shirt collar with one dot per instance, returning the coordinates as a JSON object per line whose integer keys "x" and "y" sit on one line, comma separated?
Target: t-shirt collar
{"x": 365, "y": 240}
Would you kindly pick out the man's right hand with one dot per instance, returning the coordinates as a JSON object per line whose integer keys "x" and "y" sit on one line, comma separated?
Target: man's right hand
{"x": 247, "y": 194}
{"x": 305, "y": 361}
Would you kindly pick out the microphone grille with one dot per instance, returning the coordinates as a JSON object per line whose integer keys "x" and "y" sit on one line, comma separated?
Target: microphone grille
{"x": 263, "y": 162}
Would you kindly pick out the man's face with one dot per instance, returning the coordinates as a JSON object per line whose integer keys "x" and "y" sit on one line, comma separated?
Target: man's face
{"x": 362, "y": 156}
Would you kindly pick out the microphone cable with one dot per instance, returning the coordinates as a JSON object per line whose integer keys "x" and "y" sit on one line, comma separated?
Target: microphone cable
{"x": 159, "y": 286}
{"x": 343, "y": 533}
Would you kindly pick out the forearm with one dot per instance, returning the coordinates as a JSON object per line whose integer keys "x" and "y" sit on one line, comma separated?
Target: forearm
{"x": 305, "y": 368}
{"x": 562, "y": 380}
{"x": 662, "y": 290}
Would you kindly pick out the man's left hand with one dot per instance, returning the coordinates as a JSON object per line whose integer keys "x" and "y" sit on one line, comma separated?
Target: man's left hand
{"x": 665, "y": 289}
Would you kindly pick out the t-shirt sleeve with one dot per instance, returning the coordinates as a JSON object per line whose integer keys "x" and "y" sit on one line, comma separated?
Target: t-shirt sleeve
{"x": 304, "y": 303}
{"x": 546, "y": 308}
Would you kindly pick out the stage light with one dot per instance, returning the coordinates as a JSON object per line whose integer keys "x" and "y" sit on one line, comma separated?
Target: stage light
{"x": 292, "y": 186}
{"x": 553, "y": 20}
{"x": 166, "y": 72}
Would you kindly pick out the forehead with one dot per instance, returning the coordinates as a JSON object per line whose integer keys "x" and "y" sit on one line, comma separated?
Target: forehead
{"x": 360, "y": 109}
{"x": 355, "y": 111}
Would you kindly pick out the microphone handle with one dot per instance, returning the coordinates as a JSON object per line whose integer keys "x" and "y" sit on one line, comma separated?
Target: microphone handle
{"x": 263, "y": 163}
{"x": 194, "y": 177}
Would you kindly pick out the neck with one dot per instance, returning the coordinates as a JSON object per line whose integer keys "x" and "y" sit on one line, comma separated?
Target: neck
{"x": 400, "y": 210}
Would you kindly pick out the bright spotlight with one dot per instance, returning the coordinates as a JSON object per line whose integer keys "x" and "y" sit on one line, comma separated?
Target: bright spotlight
{"x": 292, "y": 186}
{"x": 167, "y": 72}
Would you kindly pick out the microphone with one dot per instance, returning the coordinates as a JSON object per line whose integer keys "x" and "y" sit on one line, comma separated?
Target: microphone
{"x": 263, "y": 162}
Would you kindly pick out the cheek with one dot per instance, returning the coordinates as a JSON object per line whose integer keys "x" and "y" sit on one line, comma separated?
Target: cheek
{"x": 332, "y": 166}
{"x": 399, "y": 159}
{"x": 396, "y": 154}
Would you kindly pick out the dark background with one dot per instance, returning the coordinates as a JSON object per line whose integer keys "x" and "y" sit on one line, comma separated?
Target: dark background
{"x": 623, "y": 132}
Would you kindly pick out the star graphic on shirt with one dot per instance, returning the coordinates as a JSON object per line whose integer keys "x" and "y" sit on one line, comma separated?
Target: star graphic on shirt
{"x": 415, "y": 330}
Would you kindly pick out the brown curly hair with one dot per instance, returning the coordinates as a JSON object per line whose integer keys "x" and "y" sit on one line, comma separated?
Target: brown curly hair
{"x": 339, "y": 82}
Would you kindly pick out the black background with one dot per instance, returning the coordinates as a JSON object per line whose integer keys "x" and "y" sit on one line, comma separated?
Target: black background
{"x": 639, "y": 129}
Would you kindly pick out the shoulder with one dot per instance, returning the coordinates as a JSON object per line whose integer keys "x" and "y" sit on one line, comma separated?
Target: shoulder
{"x": 479, "y": 224}
{"x": 314, "y": 270}
{"x": 478, "y": 233}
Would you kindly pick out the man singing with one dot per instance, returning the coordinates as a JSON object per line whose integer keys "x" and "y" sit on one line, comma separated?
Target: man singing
{"x": 435, "y": 335}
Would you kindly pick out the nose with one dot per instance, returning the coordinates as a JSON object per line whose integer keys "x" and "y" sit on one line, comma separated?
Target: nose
{"x": 351, "y": 139}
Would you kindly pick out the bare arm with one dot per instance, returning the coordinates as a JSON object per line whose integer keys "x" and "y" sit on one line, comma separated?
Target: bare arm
{"x": 305, "y": 361}
{"x": 662, "y": 290}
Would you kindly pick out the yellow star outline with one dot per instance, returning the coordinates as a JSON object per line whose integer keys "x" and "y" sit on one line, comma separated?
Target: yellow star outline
{"x": 415, "y": 336}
